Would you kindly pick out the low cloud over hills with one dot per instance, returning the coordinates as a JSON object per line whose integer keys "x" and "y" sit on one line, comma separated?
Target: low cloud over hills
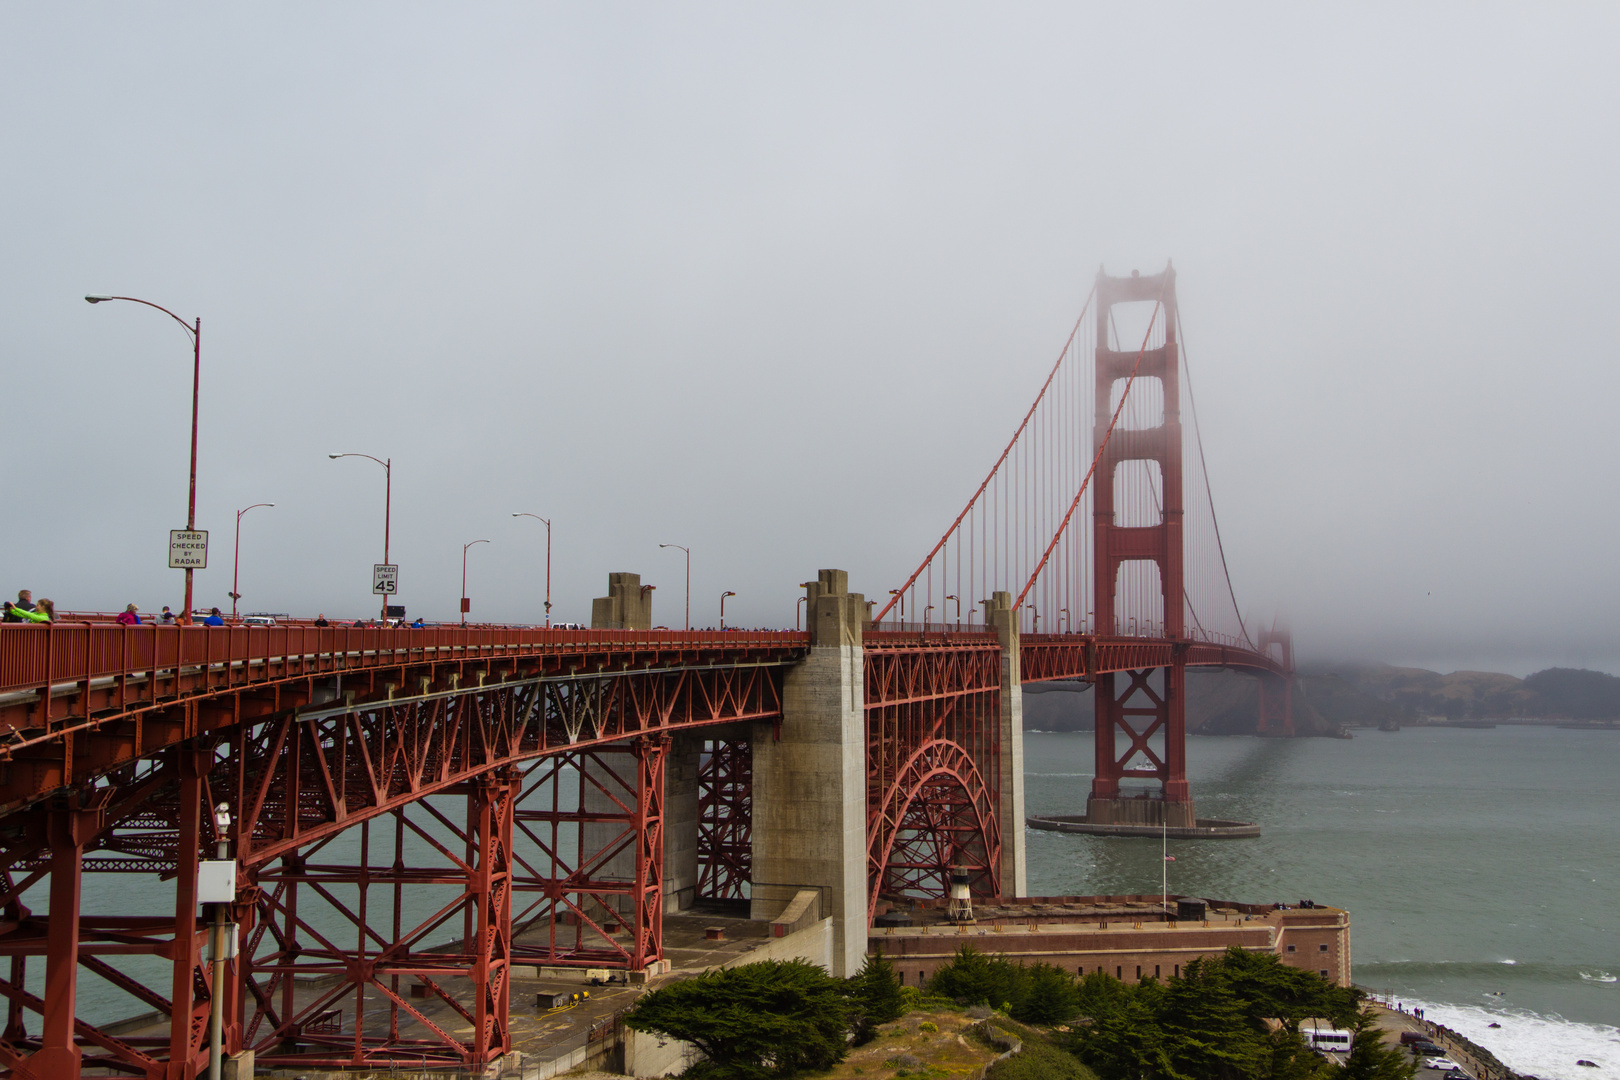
{"x": 1329, "y": 699}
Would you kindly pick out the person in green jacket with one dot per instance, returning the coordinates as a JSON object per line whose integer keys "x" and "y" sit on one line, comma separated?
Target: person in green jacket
{"x": 43, "y": 612}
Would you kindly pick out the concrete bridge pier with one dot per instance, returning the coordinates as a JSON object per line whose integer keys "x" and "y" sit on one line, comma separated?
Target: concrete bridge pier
{"x": 1014, "y": 872}
{"x": 809, "y": 796}
{"x": 681, "y": 822}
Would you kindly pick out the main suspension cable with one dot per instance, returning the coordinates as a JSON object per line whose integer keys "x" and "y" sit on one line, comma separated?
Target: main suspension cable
{"x": 1198, "y": 436}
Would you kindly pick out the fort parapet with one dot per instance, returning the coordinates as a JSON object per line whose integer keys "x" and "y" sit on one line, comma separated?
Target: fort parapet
{"x": 1128, "y": 937}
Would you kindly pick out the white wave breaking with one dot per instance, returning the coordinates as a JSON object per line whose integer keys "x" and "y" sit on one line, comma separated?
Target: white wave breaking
{"x": 1528, "y": 1042}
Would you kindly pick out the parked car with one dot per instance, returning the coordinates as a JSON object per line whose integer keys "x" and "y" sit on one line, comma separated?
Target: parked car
{"x": 1410, "y": 1037}
{"x": 1456, "y": 1074}
{"x": 1442, "y": 1063}
{"x": 1425, "y": 1048}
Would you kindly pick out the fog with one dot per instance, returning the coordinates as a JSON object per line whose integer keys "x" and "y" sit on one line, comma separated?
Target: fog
{"x": 777, "y": 283}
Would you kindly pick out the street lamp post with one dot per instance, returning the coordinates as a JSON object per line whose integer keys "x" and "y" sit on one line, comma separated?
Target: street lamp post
{"x": 958, "y": 608}
{"x": 236, "y": 563}
{"x": 388, "y": 509}
{"x": 689, "y": 585}
{"x": 465, "y": 605}
{"x": 723, "y": 596}
{"x": 547, "y": 522}
{"x": 195, "y": 330}
{"x": 902, "y": 596}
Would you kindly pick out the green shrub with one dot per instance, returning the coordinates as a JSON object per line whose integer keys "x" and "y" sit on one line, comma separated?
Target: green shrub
{"x": 770, "y": 1019}
{"x": 874, "y": 997}
{"x": 1232, "y": 1015}
{"x": 1040, "y": 1061}
{"x": 1042, "y": 994}
{"x": 913, "y": 997}
{"x": 1050, "y": 996}
{"x": 973, "y": 978}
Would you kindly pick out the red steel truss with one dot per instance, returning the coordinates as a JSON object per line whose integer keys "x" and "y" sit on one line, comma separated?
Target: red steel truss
{"x": 725, "y": 844}
{"x": 591, "y": 877}
{"x": 77, "y": 701}
{"x": 933, "y": 724}
{"x": 314, "y": 795}
{"x": 311, "y": 991}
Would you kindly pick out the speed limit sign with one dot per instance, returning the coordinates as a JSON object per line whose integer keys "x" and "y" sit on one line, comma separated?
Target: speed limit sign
{"x": 385, "y": 578}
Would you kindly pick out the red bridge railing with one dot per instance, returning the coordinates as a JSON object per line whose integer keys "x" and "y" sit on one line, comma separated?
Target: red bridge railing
{"x": 92, "y": 670}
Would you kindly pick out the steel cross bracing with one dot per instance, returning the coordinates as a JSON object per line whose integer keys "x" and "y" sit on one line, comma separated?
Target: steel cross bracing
{"x": 76, "y": 701}
{"x": 297, "y": 780}
{"x": 302, "y": 758}
{"x": 933, "y": 744}
{"x": 725, "y": 848}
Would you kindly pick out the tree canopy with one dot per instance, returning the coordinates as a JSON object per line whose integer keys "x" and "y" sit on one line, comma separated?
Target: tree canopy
{"x": 754, "y": 1021}
{"x": 1038, "y": 994}
{"x": 1230, "y": 1017}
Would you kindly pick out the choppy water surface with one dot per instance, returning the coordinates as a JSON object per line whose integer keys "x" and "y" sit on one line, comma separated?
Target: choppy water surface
{"x": 1481, "y": 868}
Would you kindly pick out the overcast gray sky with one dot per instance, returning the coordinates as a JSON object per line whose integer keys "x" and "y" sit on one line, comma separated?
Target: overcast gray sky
{"x": 777, "y": 282}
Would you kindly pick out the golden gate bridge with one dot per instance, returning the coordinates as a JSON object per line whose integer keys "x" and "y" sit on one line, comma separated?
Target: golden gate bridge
{"x": 558, "y": 791}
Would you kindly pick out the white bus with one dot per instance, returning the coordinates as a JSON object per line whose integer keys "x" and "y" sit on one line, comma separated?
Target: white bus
{"x": 1331, "y": 1039}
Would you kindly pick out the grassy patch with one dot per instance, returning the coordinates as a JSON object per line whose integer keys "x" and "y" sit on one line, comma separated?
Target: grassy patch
{"x": 1040, "y": 1059}
{"x": 905, "y": 1048}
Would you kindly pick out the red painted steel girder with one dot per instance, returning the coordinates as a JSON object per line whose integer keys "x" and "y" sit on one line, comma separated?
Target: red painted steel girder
{"x": 117, "y": 694}
{"x": 933, "y": 717}
{"x": 1043, "y": 657}
{"x": 294, "y": 782}
{"x": 725, "y": 834}
{"x": 938, "y": 812}
{"x": 602, "y": 907}
{"x": 284, "y": 947}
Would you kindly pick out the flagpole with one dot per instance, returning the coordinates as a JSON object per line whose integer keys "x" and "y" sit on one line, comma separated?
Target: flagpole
{"x": 1165, "y": 859}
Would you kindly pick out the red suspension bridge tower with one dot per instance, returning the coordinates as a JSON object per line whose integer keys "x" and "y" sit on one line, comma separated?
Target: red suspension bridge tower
{"x": 1134, "y": 707}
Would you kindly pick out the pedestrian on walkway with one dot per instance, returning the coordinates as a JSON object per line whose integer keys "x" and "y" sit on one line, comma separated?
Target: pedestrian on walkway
{"x": 25, "y": 602}
{"x": 128, "y": 617}
{"x": 43, "y": 612}
{"x": 214, "y": 618}
{"x": 166, "y": 617}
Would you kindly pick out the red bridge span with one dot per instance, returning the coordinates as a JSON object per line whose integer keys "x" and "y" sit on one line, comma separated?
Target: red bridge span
{"x": 382, "y": 816}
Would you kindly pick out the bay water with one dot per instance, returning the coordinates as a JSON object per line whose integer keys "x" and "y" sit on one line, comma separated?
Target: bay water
{"x": 1480, "y": 867}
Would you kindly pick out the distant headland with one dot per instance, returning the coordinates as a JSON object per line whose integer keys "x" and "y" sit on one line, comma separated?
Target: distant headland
{"x": 1329, "y": 699}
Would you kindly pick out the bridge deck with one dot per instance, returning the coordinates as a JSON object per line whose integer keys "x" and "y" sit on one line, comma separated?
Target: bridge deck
{"x": 109, "y": 694}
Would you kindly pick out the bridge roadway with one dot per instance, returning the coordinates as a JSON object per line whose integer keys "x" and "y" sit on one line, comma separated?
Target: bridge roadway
{"x": 80, "y": 700}
{"x": 876, "y": 759}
